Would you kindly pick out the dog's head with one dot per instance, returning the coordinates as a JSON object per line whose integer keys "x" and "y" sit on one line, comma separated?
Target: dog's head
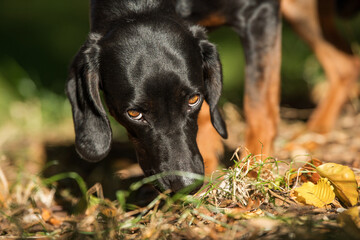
{"x": 155, "y": 75}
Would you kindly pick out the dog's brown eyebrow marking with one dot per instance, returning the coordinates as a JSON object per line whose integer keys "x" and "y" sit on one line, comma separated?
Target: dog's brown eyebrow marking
{"x": 213, "y": 20}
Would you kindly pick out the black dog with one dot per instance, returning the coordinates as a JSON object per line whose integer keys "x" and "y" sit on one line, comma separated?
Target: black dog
{"x": 155, "y": 68}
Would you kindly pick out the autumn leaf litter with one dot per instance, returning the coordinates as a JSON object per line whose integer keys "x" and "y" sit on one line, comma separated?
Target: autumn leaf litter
{"x": 250, "y": 200}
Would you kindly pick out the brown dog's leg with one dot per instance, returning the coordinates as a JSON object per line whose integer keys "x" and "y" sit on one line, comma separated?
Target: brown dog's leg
{"x": 208, "y": 140}
{"x": 259, "y": 29}
{"x": 341, "y": 69}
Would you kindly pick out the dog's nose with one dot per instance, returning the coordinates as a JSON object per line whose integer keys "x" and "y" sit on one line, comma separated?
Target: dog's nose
{"x": 183, "y": 184}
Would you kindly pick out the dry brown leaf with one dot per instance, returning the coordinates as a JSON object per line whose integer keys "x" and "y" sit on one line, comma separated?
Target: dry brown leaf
{"x": 2, "y": 201}
{"x": 343, "y": 180}
{"x": 311, "y": 175}
{"x": 291, "y": 175}
{"x": 357, "y": 178}
{"x": 108, "y": 212}
{"x": 55, "y": 222}
{"x": 263, "y": 223}
{"x": 239, "y": 213}
{"x": 290, "y": 146}
{"x": 4, "y": 189}
{"x": 310, "y": 166}
{"x": 220, "y": 228}
{"x": 45, "y": 214}
{"x": 310, "y": 145}
{"x": 317, "y": 195}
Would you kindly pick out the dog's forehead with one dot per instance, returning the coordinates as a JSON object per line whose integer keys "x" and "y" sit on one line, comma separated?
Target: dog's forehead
{"x": 143, "y": 60}
{"x": 166, "y": 88}
{"x": 147, "y": 48}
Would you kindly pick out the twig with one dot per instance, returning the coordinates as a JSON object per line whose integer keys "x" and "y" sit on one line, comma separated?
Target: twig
{"x": 280, "y": 197}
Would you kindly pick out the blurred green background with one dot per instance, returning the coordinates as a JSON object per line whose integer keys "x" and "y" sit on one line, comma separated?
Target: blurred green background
{"x": 39, "y": 38}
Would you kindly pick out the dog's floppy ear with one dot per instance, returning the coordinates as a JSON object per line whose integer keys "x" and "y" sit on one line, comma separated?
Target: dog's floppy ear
{"x": 92, "y": 127}
{"x": 212, "y": 72}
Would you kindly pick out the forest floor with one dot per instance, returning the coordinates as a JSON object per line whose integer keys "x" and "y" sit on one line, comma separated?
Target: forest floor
{"x": 44, "y": 196}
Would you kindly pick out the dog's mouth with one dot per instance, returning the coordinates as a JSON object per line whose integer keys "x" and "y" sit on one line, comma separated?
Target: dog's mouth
{"x": 182, "y": 185}
{"x": 177, "y": 165}
{"x": 176, "y": 181}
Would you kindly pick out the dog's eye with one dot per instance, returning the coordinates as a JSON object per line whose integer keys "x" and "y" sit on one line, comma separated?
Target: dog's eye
{"x": 135, "y": 115}
{"x": 194, "y": 100}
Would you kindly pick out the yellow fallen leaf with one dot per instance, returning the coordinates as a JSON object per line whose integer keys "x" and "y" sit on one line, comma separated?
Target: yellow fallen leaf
{"x": 353, "y": 213}
{"x": 349, "y": 220}
{"x": 317, "y": 195}
{"x": 343, "y": 180}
